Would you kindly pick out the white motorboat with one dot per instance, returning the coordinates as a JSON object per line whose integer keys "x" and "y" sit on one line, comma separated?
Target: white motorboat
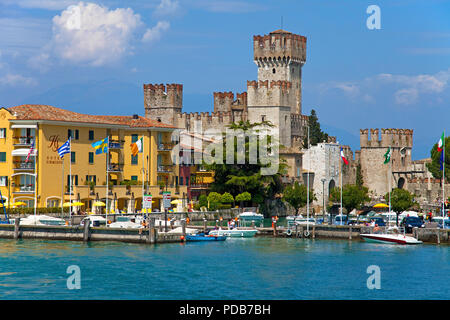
{"x": 125, "y": 222}
{"x": 94, "y": 221}
{"x": 392, "y": 236}
{"x": 234, "y": 233}
{"x": 305, "y": 221}
{"x": 41, "y": 220}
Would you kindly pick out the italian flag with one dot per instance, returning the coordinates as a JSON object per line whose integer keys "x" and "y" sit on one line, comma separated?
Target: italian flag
{"x": 137, "y": 147}
{"x": 441, "y": 143}
{"x": 343, "y": 157}
{"x": 387, "y": 156}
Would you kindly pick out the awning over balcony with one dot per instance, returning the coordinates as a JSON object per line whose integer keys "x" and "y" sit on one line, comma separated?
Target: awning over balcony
{"x": 23, "y": 152}
{"x": 24, "y": 126}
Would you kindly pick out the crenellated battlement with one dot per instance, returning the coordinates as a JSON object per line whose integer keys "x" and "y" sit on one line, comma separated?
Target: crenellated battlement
{"x": 224, "y": 101}
{"x": 279, "y": 46}
{"x": 156, "y": 95}
{"x": 389, "y": 137}
{"x": 273, "y": 93}
{"x": 209, "y": 120}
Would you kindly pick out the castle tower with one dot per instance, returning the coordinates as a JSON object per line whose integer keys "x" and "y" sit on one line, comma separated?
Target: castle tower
{"x": 161, "y": 104}
{"x": 280, "y": 56}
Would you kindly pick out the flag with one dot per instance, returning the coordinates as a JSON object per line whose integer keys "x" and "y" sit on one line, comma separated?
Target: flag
{"x": 441, "y": 161}
{"x": 343, "y": 157}
{"x": 101, "y": 146}
{"x": 387, "y": 156}
{"x": 441, "y": 143}
{"x": 65, "y": 148}
{"x": 31, "y": 151}
{"x": 136, "y": 147}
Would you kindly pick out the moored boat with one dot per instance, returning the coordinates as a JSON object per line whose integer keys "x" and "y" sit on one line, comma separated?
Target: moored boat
{"x": 204, "y": 237}
{"x": 392, "y": 236}
{"x": 235, "y": 233}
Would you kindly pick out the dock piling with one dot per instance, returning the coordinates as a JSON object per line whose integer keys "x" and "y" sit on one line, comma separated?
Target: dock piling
{"x": 16, "y": 228}
{"x": 87, "y": 224}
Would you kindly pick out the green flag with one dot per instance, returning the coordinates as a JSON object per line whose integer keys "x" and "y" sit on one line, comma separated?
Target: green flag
{"x": 387, "y": 156}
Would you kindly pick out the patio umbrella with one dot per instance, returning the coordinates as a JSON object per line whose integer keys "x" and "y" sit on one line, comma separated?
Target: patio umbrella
{"x": 99, "y": 204}
{"x": 77, "y": 204}
{"x": 176, "y": 201}
{"x": 67, "y": 204}
{"x": 19, "y": 203}
{"x": 381, "y": 205}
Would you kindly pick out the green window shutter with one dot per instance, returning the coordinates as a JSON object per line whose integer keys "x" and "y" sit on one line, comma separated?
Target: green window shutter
{"x": 134, "y": 178}
{"x": 2, "y": 156}
{"x": 134, "y": 138}
{"x": 91, "y": 157}
{"x": 72, "y": 156}
{"x": 134, "y": 159}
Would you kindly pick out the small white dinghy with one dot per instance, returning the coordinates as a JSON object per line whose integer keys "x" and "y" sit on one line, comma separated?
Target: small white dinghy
{"x": 392, "y": 236}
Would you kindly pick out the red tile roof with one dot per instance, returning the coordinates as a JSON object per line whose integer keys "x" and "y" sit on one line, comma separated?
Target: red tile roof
{"x": 50, "y": 113}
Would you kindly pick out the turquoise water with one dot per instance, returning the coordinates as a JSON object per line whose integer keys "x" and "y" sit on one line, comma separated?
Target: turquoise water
{"x": 255, "y": 268}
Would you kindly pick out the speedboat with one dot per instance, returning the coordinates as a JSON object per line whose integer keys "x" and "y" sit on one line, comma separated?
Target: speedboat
{"x": 42, "y": 220}
{"x": 234, "y": 233}
{"x": 204, "y": 237}
{"x": 125, "y": 222}
{"x": 392, "y": 236}
{"x": 305, "y": 221}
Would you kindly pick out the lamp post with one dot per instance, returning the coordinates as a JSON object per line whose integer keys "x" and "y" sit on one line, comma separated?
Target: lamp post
{"x": 323, "y": 198}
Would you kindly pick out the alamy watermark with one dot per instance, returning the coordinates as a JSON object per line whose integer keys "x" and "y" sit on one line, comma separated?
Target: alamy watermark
{"x": 74, "y": 280}
{"x": 374, "y": 280}
{"x": 374, "y": 20}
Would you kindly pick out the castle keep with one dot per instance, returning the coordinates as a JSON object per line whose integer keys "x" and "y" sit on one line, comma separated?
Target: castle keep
{"x": 275, "y": 96}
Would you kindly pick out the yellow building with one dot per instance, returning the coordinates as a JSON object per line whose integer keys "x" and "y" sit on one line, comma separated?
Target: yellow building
{"x": 47, "y": 128}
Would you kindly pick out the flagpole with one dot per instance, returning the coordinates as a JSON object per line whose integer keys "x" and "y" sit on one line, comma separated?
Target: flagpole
{"x": 340, "y": 174}
{"x": 107, "y": 180}
{"x": 143, "y": 177}
{"x": 62, "y": 190}
{"x": 71, "y": 184}
{"x": 35, "y": 176}
{"x": 443, "y": 182}
{"x": 389, "y": 179}
{"x": 307, "y": 188}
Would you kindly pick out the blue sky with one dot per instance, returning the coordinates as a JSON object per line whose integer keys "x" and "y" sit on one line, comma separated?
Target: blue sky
{"x": 395, "y": 77}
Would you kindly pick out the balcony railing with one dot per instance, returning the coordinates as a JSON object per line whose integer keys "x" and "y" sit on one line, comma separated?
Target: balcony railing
{"x": 24, "y": 189}
{"x": 165, "y": 168}
{"x": 22, "y": 165}
{"x": 165, "y": 146}
{"x": 115, "y": 167}
{"x": 23, "y": 141}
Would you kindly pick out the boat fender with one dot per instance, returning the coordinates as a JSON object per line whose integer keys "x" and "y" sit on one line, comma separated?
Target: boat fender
{"x": 289, "y": 232}
{"x": 306, "y": 233}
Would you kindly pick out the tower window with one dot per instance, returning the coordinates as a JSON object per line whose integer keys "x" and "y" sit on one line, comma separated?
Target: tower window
{"x": 273, "y": 70}
{"x": 263, "y": 118}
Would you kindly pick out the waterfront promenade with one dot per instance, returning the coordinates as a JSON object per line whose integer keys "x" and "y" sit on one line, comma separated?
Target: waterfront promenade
{"x": 156, "y": 233}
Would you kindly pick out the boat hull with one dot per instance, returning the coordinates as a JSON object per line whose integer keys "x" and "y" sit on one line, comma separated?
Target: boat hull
{"x": 235, "y": 233}
{"x": 205, "y": 238}
{"x": 390, "y": 239}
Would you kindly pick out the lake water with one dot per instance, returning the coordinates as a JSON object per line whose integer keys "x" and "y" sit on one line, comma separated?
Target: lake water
{"x": 255, "y": 268}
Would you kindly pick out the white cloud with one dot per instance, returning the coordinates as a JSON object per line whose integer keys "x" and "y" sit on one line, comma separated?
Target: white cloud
{"x": 406, "y": 89}
{"x": 91, "y": 34}
{"x": 155, "y": 33}
{"x": 16, "y": 79}
{"x": 167, "y": 7}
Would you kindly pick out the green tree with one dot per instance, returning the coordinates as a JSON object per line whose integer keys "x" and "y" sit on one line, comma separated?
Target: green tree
{"x": 296, "y": 195}
{"x": 359, "y": 177}
{"x": 226, "y": 198}
{"x": 401, "y": 200}
{"x": 237, "y": 177}
{"x": 353, "y": 196}
{"x": 434, "y": 166}
{"x": 203, "y": 201}
{"x": 244, "y": 196}
{"x": 214, "y": 199}
{"x": 316, "y": 135}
